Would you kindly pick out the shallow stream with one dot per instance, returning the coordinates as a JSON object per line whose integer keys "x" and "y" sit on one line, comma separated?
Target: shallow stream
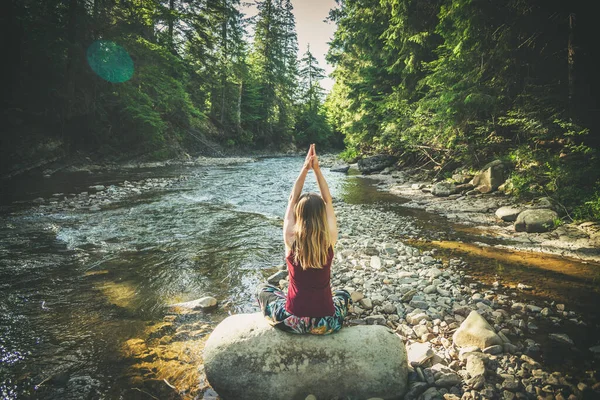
{"x": 76, "y": 285}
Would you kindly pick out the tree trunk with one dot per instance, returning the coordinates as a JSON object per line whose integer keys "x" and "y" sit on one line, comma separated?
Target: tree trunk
{"x": 571, "y": 62}
{"x": 239, "y": 108}
{"x": 171, "y": 24}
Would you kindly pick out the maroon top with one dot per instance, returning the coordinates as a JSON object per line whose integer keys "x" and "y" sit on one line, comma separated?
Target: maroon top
{"x": 309, "y": 293}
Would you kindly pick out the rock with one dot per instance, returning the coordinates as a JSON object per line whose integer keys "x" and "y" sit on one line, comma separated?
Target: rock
{"x": 246, "y": 358}
{"x": 357, "y": 296}
{"x": 39, "y": 200}
{"x": 508, "y": 213}
{"x": 415, "y": 390}
{"x": 407, "y": 297}
{"x": 276, "y": 277}
{"x": 96, "y": 188}
{"x": 595, "y": 350}
{"x": 522, "y": 286}
{"x": 495, "y": 349}
{"x": 375, "y": 163}
{"x": 340, "y": 168}
{"x": 490, "y": 177}
{"x": 562, "y": 338}
{"x": 375, "y": 320}
{"x": 375, "y": 262}
{"x": 419, "y": 353}
{"x": 445, "y": 376}
{"x": 475, "y": 331}
{"x": 415, "y": 318}
{"x": 366, "y": 303}
{"x": 475, "y": 366}
{"x": 200, "y": 304}
{"x": 461, "y": 178}
{"x": 431, "y": 394}
{"x": 536, "y": 221}
{"x": 434, "y": 273}
{"x": 443, "y": 189}
{"x": 95, "y": 208}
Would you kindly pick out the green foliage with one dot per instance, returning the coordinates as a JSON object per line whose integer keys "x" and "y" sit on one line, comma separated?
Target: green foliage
{"x": 467, "y": 81}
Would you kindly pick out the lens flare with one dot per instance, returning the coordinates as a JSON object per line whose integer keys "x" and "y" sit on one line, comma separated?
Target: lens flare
{"x": 110, "y": 61}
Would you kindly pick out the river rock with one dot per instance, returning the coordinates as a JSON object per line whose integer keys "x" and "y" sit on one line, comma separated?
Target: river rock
{"x": 419, "y": 353}
{"x": 443, "y": 189}
{"x": 246, "y": 358}
{"x": 340, "y": 168}
{"x": 375, "y": 163}
{"x": 490, "y": 177}
{"x": 96, "y": 188}
{"x": 475, "y": 366}
{"x": 277, "y": 276}
{"x": 508, "y": 213}
{"x": 204, "y": 303}
{"x": 561, "y": 338}
{"x": 536, "y": 221}
{"x": 476, "y": 331}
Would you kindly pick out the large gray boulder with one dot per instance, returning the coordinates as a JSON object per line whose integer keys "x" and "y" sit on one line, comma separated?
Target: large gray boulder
{"x": 536, "y": 220}
{"x": 375, "y": 163}
{"x": 443, "y": 189}
{"x": 490, "y": 177}
{"x": 508, "y": 213}
{"x": 246, "y": 358}
{"x": 476, "y": 331}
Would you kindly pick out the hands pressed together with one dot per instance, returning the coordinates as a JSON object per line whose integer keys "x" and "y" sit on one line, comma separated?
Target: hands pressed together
{"x": 311, "y": 161}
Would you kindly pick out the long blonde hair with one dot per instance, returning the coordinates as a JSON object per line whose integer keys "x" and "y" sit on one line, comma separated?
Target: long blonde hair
{"x": 312, "y": 242}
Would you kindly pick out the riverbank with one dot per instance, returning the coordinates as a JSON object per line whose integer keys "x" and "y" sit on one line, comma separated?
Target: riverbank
{"x": 548, "y": 350}
{"x": 477, "y": 214}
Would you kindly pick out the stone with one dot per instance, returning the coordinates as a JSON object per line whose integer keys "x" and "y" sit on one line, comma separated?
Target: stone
{"x": 97, "y": 188}
{"x": 276, "y": 277}
{"x": 39, "y": 200}
{"x": 491, "y": 176}
{"x": 340, "y": 168}
{"x": 443, "y": 189}
{"x": 536, "y": 221}
{"x": 595, "y": 350}
{"x": 414, "y": 318}
{"x": 476, "y": 331}
{"x": 375, "y": 320}
{"x": 495, "y": 349}
{"x": 419, "y": 353}
{"x": 431, "y": 394}
{"x": 357, "y": 296}
{"x": 375, "y": 163}
{"x": 475, "y": 366}
{"x": 366, "y": 303}
{"x": 375, "y": 262}
{"x": 562, "y": 338}
{"x": 508, "y": 213}
{"x": 415, "y": 390}
{"x": 246, "y": 358}
{"x": 200, "y": 304}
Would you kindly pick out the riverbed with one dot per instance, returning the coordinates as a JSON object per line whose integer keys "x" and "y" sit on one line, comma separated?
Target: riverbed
{"x": 86, "y": 279}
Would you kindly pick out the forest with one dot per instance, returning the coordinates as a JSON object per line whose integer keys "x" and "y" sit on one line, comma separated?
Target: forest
{"x": 441, "y": 84}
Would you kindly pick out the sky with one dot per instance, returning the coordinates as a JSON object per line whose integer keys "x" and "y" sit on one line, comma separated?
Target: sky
{"x": 311, "y": 29}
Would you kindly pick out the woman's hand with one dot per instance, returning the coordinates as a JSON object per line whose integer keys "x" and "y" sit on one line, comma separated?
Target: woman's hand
{"x": 315, "y": 160}
{"x": 310, "y": 156}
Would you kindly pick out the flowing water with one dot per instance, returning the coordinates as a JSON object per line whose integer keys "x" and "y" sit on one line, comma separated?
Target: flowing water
{"x": 76, "y": 285}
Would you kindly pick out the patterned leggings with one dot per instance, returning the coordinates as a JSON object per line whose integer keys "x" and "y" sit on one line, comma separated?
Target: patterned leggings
{"x": 272, "y": 304}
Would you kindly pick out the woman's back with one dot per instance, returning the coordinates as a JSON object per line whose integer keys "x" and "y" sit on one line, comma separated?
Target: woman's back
{"x": 309, "y": 292}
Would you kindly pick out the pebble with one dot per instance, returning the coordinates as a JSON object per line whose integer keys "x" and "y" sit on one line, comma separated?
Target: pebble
{"x": 562, "y": 338}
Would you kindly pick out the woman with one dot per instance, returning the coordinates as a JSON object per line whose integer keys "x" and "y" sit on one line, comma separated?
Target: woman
{"x": 309, "y": 233}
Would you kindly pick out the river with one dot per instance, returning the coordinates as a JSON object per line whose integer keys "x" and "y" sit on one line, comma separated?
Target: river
{"x": 75, "y": 285}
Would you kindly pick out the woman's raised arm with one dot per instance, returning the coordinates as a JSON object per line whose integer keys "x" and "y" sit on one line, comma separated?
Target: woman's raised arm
{"x": 326, "y": 195}
{"x": 289, "y": 220}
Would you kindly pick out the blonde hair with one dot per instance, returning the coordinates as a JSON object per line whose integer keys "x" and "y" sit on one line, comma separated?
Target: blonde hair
{"x": 311, "y": 246}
